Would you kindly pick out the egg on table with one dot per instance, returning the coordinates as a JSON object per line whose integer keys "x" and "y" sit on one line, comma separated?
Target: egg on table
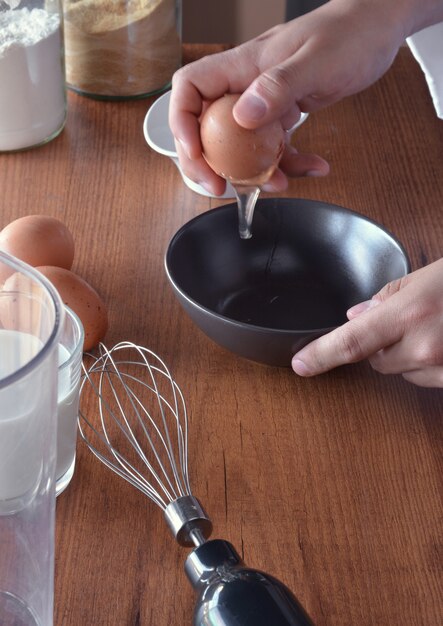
{"x": 45, "y": 243}
{"x": 241, "y": 155}
{"x": 83, "y": 299}
{"x": 39, "y": 240}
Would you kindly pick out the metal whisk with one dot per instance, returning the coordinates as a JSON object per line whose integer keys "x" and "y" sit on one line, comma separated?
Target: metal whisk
{"x": 142, "y": 435}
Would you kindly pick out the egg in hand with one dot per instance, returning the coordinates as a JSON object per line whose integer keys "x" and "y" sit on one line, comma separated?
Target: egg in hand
{"x": 241, "y": 155}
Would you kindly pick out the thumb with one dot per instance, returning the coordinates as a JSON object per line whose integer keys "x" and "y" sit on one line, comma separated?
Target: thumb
{"x": 361, "y": 337}
{"x": 271, "y": 96}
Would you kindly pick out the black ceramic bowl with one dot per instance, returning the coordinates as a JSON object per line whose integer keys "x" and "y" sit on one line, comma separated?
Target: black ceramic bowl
{"x": 266, "y": 297}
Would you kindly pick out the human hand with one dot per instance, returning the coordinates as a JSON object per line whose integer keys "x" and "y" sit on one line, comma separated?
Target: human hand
{"x": 400, "y": 331}
{"x": 304, "y": 64}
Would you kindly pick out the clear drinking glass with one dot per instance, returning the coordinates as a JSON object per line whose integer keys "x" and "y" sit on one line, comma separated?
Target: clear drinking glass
{"x": 70, "y": 351}
{"x": 121, "y": 50}
{"x": 32, "y": 77}
{"x": 31, "y": 318}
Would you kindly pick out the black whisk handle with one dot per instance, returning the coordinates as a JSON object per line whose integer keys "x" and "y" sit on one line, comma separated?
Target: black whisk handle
{"x": 231, "y": 594}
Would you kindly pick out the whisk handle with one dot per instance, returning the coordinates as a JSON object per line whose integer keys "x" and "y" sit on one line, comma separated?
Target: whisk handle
{"x": 231, "y": 594}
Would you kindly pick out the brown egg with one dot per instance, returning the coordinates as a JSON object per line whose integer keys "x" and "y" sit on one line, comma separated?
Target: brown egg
{"x": 79, "y": 296}
{"x": 39, "y": 240}
{"x": 241, "y": 155}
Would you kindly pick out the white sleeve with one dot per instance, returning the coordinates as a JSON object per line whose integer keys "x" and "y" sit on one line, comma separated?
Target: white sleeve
{"x": 427, "y": 48}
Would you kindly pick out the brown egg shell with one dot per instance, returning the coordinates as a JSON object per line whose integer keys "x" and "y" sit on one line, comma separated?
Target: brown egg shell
{"x": 83, "y": 299}
{"x": 39, "y": 240}
{"x": 236, "y": 153}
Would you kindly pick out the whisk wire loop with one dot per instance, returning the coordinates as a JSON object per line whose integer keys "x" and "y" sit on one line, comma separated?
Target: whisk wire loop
{"x": 140, "y": 483}
{"x": 112, "y": 377}
{"x": 128, "y": 431}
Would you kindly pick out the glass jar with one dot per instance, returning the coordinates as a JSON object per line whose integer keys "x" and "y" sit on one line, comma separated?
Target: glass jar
{"x": 32, "y": 79}
{"x": 121, "y": 49}
{"x": 32, "y": 316}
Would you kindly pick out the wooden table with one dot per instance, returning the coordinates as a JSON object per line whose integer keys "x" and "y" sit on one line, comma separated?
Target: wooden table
{"x": 331, "y": 483}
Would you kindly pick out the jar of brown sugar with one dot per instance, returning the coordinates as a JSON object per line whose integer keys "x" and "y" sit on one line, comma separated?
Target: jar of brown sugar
{"x": 121, "y": 49}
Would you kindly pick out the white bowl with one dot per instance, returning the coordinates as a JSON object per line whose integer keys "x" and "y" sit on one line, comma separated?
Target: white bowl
{"x": 159, "y": 137}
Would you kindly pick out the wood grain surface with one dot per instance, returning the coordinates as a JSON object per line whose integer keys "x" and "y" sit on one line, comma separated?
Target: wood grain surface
{"x": 332, "y": 484}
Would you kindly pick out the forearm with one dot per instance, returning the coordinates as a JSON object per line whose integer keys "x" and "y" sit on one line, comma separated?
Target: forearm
{"x": 409, "y": 16}
{"x": 421, "y": 13}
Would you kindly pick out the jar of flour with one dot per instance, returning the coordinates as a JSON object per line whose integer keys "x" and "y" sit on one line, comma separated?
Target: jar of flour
{"x": 121, "y": 49}
{"x": 32, "y": 80}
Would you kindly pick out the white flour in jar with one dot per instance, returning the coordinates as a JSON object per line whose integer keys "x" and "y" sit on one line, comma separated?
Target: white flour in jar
{"x": 32, "y": 93}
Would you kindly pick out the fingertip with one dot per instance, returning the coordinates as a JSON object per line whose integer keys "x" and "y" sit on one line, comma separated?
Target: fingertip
{"x": 320, "y": 173}
{"x": 319, "y": 167}
{"x": 300, "y": 367}
{"x": 213, "y": 184}
{"x": 277, "y": 183}
{"x": 295, "y": 164}
{"x": 360, "y": 308}
{"x": 216, "y": 187}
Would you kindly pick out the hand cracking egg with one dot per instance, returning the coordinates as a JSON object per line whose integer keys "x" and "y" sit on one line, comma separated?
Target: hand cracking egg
{"x": 241, "y": 155}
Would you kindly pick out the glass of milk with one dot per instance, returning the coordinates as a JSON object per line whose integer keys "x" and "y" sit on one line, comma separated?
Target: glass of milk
{"x": 70, "y": 352}
{"x": 31, "y": 320}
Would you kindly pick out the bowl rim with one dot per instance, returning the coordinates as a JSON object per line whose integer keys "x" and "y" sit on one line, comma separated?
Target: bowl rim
{"x": 255, "y": 327}
{"x": 146, "y": 123}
